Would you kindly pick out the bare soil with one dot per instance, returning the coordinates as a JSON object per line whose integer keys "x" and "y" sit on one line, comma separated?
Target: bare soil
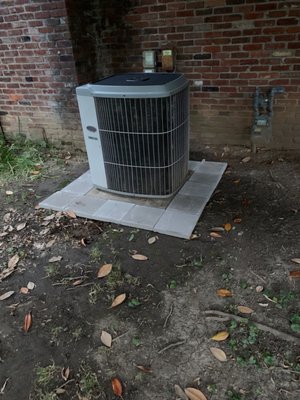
{"x": 162, "y": 326}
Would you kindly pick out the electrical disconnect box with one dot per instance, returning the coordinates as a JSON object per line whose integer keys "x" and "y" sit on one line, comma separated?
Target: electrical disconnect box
{"x": 167, "y": 60}
{"x": 149, "y": 60}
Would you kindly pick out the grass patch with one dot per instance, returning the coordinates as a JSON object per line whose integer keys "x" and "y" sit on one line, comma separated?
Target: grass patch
{"x": 22, "y": 157}
{"x": 88, "y": 383}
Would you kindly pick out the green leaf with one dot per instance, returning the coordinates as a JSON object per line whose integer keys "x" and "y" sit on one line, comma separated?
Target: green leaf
{"x": 295, "y": 328}
{"x": 136, "y": 341}
{"x": 295, "y": 319}
{"x": 172, "y": 285}
{"x": 134, "y": 303}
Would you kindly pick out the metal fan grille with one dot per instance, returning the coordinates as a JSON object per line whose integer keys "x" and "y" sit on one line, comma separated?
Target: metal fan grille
{"x": 144, "y": 143}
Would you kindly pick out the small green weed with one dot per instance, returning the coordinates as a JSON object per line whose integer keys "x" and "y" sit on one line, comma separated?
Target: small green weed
{"x": 133, "y": 303}
{"x": 233, "y": 395}
{"x": 283, "y": 299}
{"x": 172, "y": 284}
{"x": 77, "y": 333}
{"x": 44, "y": 375}
{"x": 96, "y": 253}
{"x": 295, "y": 323}
{"x": 51, "y": 270}
{"x": 20, "y": 157}
{"x": 197, "y": 262}
{"x": 212, "y": 388}
{"x": 136, "y": 341}
{"x": 94, "y": 293}
{"x": 269, "y": 359}
{"x": 88, "y": 383}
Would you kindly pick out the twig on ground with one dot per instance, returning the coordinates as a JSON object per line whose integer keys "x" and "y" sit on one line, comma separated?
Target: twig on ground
{"x": 4, "y": 386}
{"x": 278, "y": 184}
{"x": 80, "y": 286}
{"x": 119, "y": 337}
{"x": 170, "y": 346}
{"x": 282, "y": 335}
{"x": 168, "y": 316}
{"x": 258, "y": 276}
{"x": 65, "y": 384}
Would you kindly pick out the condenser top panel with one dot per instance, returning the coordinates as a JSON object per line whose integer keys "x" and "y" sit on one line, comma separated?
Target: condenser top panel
{"x": 135, "y": 85}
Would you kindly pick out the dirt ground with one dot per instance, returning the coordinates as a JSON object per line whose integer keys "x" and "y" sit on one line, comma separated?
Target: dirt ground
{"x": 162, "y": 333}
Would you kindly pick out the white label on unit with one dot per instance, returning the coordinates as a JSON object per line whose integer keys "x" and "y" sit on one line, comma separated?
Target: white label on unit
{"x": 149, "y": 59}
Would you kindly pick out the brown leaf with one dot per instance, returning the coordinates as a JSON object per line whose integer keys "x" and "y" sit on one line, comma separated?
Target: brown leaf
{"x": 65, "y": 373}
{"x": 82, "y": 241}
{"x": 296, "y": 260}
{"x": 259, "y": 289}
{"x": 215, "y": 235}
{"x": 55, "y": 259}
{"x": 12, "y": 263}
{"x": 27, "y": 322}
{"x": 295, "y": 274}
{"x": 118, "y": 300}
{"x": 50, "y": 243}
{"x": 218, "y": 353}
{"x": 245, "y": 310}
{"x": 179, "y": 392}
{"x": 6, "y": 295}
{"x": 139, "y": 257}
{"x": 35, "y": 172}
{"x": 227, "y": 227}
{"x": 224, "y": 293}
{"x": 220, "y": 336}
{"x": 24, "y": 290}
{"x": 106, "y": 339}
{"x": 217, "y": 229}
{"x": 78, "y": 282}
{"x": 71, "y": 214}
{"x": 237, "y": 181}
{"x": 60, "y": 391}
{"x": 6, "y": 273}
{"x": 152, "y": 240}
{"x": 194, "y": 394}
{"x": 246, "y": 159}
{"x": 117, "y": 387}
{"x": 104, "y": 270}
{"x": 237, "y": 220}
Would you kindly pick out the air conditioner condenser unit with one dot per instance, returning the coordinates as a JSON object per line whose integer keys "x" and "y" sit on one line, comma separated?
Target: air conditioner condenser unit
{"x": 136, "y": 132}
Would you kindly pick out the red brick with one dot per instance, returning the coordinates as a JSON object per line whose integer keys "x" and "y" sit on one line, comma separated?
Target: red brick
{"x": 287, "y": 21}
{"x": 266, "y": 6}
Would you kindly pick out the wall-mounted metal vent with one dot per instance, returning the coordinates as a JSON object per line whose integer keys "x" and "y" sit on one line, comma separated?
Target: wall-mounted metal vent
{"x": 142, "y": 125}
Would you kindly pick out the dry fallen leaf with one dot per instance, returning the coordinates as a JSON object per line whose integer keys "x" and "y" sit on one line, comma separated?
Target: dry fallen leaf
{"x": 217, "y": 229}
{"x": 118, "y": 300}
{"x": 61, "y": 391}
{"x": 245, "y": 310}
{"x": 106, "y": 339}
{"x": 218, "y": 353}
{"x": 259, "y": 289}
{"x": 30, "y": 285}
{"x": 82, "y": 242}
{"x": 194, "y": 236}
{"x": 246, "y": 159}
{"x": 194, "y": 394}
{"x": 215, "y": 235}
{"x": 27, "y": 322}
{"x": 237, "y": 181}
{"x": 143, "y": 368}
{"x": 9, "y": 193}
{"x": 65, "y": 373}
{"x": 227, "y": 227}
{"x": 50, "y": 243}
{"x": 179, "y": 392}
{"x": 152, "y": 240}
{"x": 104, "y": 270}
{"x": 139, "y": 257}
{"x": 71, "y": 214}
{"x": 24, "y": 290}
{"x": 55, "y": 259}
{"x": 220, "y": 336}
{"x": 6, "y": 217}
{"x": 117, "y": 387}
{"x": 224, "y": 293}
{"x": 35, "y": 172}
{"x": 296, "y": 260}
{"x": 12, "y": 263}
{"x": 21, "y": 226}
{"x": 78, "y": 282}
{"x": 6, "y": 295}
{"x": 295, "y": 274}
{"x": 49, "y": 217}
{"x": 237, "y": 220}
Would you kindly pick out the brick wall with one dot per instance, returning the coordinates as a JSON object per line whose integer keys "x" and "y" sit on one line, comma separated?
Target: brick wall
{"x": 231, "y": 46}
{"x": 37, "y": 72}
{"x": 225, "y": 47}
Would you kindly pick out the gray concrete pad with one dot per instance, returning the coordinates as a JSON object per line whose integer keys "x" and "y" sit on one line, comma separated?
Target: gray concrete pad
{"x": 112, "y": 211}
{"x": 142, "y": 217}
{"x": 175, "y": 216}
{"x": 58, "y": 201}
